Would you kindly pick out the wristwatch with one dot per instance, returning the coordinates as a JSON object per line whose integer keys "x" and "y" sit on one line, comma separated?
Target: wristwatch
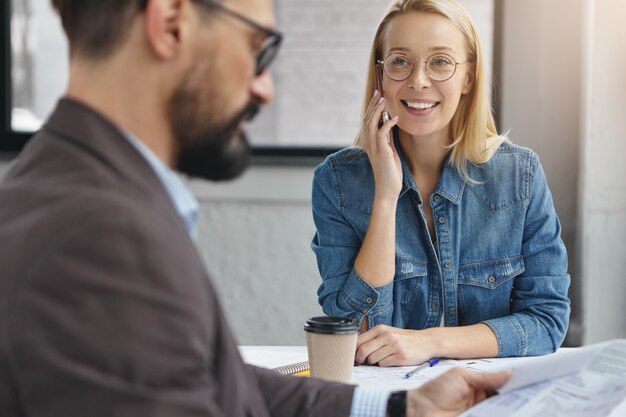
{"x": 396, "y": 405}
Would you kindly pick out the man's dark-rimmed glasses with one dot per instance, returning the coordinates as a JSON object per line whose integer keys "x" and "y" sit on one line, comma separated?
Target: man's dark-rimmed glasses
{"x": 273, "y": 38}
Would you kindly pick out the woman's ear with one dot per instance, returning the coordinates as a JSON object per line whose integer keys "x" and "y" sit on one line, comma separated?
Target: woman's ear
{"x": 163, "y": 22}
{"x": 469, "y": 79}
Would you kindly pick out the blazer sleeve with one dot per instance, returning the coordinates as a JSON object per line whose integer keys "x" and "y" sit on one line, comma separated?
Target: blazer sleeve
{"x": 288, "y": 396}
{"x": 97, "y": 327}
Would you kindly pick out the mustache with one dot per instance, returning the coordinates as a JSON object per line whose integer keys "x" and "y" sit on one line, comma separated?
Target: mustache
{"x": 219, "y": 152}
{"x": 221, "y": 135}
{"x": 246, "y": 114}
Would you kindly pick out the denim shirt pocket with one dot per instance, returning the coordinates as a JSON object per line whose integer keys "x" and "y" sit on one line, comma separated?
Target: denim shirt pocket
{"x": 409, "y": 285}
{"x": 485, "y": 288}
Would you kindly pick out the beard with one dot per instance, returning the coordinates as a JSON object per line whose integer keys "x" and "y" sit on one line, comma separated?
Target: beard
{"x": 208, "y": 147}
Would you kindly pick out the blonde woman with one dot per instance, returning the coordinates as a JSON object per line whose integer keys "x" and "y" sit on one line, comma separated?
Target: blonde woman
{"x": 436, "y": 233}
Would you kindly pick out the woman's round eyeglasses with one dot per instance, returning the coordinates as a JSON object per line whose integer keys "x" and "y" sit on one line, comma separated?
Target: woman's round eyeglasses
{"x": 438, "y": 67}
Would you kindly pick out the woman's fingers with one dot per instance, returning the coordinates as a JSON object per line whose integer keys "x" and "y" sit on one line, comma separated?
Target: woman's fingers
{"x": 384, "y": 133}
{"x": 394, "y": 359}
{"x": 371, "y": 334}
{"x": 367, "y": 343}
{"x": 380, "y": 355}
{"x": 374, "y": 101}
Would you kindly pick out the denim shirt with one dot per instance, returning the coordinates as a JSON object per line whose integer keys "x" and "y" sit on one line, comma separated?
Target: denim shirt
{"x": 498, "y": 258}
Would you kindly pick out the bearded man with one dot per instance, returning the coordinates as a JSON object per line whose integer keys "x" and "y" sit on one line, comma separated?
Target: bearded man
{"x": 105, "y": 306}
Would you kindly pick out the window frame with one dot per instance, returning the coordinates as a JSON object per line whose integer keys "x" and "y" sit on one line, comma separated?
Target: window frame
{"x": 12, "y": 141}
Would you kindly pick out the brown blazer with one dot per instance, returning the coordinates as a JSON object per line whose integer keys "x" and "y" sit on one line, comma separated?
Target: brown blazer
{"x": 105, "y": 306}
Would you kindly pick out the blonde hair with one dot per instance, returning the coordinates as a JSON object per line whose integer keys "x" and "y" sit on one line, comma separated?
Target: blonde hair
{"x": 474, "y": 135}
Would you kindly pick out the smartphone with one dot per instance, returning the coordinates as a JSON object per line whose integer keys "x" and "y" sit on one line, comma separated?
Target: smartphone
{"x": 379, "y": 87}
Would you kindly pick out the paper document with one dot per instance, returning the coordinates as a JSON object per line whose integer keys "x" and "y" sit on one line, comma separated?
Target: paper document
{"x": 531, "y": 370}
{"x": 588, "y": 381}
{"x": 597, "y": 387}
{"x": 392, "y": 378}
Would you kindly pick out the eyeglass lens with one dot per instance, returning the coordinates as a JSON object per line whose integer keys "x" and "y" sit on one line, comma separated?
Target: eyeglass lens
{"x": 439, "y": 67}
{"x": 267, "y": 53}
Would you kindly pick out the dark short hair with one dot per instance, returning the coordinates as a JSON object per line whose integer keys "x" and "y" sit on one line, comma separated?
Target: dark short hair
{"x": 94, "y": 28}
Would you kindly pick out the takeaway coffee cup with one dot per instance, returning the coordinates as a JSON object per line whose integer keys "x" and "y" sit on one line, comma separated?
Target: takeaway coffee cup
{"x": 331, "y": 344}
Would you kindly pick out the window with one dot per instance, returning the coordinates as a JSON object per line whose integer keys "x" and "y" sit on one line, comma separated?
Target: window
{"x": 319, "y": 74}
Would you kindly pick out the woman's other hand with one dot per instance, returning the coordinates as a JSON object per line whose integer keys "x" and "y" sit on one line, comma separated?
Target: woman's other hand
{"x": 391, "y": 346}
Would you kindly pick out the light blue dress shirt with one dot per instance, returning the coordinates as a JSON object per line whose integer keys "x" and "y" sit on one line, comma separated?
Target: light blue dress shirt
{"x": 369, "y": 402}
{"x": 183, "y": 199}
{"x": 365, "y": 402}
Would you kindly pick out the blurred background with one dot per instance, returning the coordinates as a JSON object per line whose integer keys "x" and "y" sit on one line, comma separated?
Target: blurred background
{"x": 560, "y": 88}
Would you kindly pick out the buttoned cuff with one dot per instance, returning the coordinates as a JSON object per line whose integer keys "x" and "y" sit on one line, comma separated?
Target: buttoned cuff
{"x": 510, "y": 335}
{"x": 367, "y": 300}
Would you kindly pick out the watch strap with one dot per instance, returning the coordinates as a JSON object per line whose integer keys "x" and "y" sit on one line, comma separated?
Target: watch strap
{"x": 396, "y": 405}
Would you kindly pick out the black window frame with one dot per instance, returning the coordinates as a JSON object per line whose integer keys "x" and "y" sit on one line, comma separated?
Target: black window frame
{"x": 12, "y": 141}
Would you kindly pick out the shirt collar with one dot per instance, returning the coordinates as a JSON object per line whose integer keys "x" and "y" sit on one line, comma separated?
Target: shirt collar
{"x": 183, "y": 199}
{"x": 450, "y": 186}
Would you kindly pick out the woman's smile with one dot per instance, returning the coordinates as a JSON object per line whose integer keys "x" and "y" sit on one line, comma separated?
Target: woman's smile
{"x": 417, "y": 107}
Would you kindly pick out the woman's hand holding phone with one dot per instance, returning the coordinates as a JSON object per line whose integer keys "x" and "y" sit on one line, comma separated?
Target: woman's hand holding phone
{"x": 376, "y": 259}
{"x": 381, "y": 150}
{"x": 386, "y": 119}
{"x": 379, "y": 87}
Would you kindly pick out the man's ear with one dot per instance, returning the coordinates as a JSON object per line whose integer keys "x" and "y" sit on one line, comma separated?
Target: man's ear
{"x": 163, "y": 25}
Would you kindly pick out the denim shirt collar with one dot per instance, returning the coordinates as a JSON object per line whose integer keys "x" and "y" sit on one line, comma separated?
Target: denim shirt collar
{"x": 450, "y": 186}
{"x": 183, "y": 199}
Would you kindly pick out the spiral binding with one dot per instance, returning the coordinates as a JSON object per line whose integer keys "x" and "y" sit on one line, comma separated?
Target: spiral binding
{"x": 293, "y": 368}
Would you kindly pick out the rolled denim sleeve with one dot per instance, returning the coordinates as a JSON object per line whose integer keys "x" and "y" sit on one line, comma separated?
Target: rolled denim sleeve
{"x": 336, "y": 244}
{"x": 540, "y": 307}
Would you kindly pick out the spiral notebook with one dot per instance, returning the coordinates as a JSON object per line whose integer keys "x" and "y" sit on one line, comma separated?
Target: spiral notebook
{"x": 286, "y": 360}
{"x": 298, "y": 368}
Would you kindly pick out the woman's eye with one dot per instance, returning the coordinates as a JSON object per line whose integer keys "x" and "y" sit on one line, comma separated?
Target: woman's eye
{"x": 441, "y": 61}
{"x": 399, "y": 61}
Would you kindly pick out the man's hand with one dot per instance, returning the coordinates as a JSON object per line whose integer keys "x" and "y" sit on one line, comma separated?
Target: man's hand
{"x": 453, "y": 392}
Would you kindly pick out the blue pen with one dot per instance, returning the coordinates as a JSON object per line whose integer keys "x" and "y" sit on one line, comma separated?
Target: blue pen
{"x": 428, "y": 364}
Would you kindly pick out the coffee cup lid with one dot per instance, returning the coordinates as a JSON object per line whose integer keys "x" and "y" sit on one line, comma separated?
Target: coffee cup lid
{"x": 330, "y": 325}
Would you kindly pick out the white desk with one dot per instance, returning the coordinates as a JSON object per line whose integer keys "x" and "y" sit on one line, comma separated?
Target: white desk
{"x": 593, "y": 381}
{"x": 390, "y": 379}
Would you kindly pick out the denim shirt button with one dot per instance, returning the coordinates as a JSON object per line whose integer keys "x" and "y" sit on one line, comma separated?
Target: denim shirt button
{"x": 448, "y": 264}
{"x": 451, "y": 311}
{"x": 436, "y": 306}
{"x": 491, "y": 279}
{"x": 442, "y": 220}
{"x": 437, "y": 198}
{"x": 368, "y": 300}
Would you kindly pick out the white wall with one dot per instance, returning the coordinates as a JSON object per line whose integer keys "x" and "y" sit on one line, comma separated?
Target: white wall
{"x": 254, "y": 236}
{"x": 563, "y": 94}
{"x": 541, "y": 104}
{"x": 603, "y": 189}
